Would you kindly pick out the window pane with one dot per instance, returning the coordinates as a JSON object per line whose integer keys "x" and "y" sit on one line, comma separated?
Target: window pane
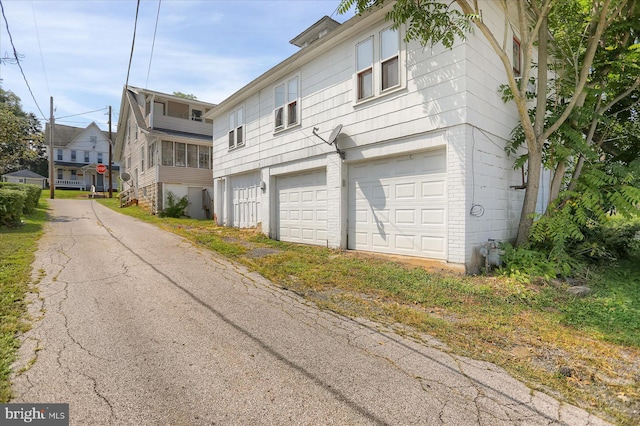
{"x": 292, "y": 89}
{"x": 365, "y": 84}
{"x": 364, "y": 53}
{"x": 152, "y": 154}
{"x": 100, "y": 157}
{"x": 388, "y": 43}
{"x": 292, "y": 113}
{"x": 204, "y": 153}
{"x": 59, "y": 154}
{"x": 240, "y": 118}
{"x": 279, "y": 96}
{"x": 279, "y": 118}
{"x": 181, "y": 155}
{"x": 516, "y": 57}
{"x": 232, "y": 140}
{"x": 192, "y": 156}
{"x": 196, "y": 115}
{"x": 239, "y": 136}
{"x": 167, "y": 153}
{"x": 390, "y": 73}
{"x": 232, "y": 121}
{"x": 86, "y": 157}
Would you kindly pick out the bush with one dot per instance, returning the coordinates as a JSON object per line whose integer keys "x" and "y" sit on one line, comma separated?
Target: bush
{"x": 521, "y": 263}
{"x": 176, "y": 208}
{"x": 613, "y": 240}
{"x": 11, "y": 205}
{"x": 32, "y": 193}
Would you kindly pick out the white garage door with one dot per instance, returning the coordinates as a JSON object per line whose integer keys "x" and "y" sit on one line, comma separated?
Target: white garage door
{"x": 398, "y": 205}
{"x": 246, "y": 200}
{"x": 302, "y": 208}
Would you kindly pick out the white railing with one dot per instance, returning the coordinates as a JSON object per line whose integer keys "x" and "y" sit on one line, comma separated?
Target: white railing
{"x": 68, "y": 183}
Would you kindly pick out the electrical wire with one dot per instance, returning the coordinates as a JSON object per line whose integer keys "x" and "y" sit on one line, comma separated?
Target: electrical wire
{"x": 35, "y": 23}
{"x": 153, "y": 43}
{"x": 15, "y": 55}
{"x": 82, "y": 113}
{"x": 133, "y": 43}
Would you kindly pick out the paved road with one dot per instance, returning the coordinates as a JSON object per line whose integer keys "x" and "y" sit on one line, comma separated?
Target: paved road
{"x": 134, "y": 325}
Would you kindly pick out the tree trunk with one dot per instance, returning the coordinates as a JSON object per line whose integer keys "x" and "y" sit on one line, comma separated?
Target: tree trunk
{"x": 556, "y": 182}
{"x": 534, "y": 167}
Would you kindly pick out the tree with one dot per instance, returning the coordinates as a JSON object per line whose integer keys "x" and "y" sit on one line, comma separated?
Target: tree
{"x": 191, "y": 97}
{"x": 431, "y": 21}
{"x": 21, "y": 139}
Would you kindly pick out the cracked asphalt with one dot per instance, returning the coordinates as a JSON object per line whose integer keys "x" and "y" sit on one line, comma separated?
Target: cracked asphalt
{"x": 135, "y": 325}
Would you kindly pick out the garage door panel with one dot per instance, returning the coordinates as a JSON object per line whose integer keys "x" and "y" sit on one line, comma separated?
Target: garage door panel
{"x": 302, "y": 210}
{"x": 398, "y": 205}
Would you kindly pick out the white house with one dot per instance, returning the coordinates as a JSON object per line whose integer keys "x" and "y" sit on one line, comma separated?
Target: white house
{"x": 164, "y": 144}
{"x": 76, "y": 153}
{"x": 418, "y": 167}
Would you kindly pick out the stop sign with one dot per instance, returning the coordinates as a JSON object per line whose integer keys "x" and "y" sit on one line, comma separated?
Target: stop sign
{"x": 101, "y": 168}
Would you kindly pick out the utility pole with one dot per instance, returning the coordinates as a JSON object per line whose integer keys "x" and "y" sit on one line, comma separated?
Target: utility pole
{"x": 51, "y": 132}
{"x": 110, "y": 156}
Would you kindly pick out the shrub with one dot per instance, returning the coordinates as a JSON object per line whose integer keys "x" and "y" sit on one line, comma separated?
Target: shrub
{"x": 11, "y": 206}
{"x": 32, "y": 193}
{"x": 176, "y": 208}
{"x": 521, "y": 263}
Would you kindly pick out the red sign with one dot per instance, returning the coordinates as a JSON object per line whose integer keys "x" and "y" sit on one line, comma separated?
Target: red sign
{"x": 101, "y": 168}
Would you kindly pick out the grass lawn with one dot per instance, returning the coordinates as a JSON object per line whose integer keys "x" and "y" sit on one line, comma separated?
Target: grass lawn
{"x": 582, "y": 350}
{"x": 17, "y": 253}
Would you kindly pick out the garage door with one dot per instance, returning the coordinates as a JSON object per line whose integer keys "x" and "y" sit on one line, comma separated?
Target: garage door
{"x": 302, "y": 208}
{"x": 246, "y": 200}
{"x": 398, "y": 205}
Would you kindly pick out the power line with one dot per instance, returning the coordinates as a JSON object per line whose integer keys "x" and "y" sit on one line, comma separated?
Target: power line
{"x": 133, "y": 43}
{"x": 153, "y": 43}
{"x": 15, "y": 55}
{"x": 82, "y": 113}
{"x": 35, "y": 23}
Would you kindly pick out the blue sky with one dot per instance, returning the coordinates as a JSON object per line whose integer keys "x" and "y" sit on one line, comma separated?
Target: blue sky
{"x": 78, "y": 50}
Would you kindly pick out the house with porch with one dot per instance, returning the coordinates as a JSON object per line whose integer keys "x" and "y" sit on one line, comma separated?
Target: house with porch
{"x": 164, "y": 144}
{"x": 76, "y": 154}
{"x": 363, "y": 141}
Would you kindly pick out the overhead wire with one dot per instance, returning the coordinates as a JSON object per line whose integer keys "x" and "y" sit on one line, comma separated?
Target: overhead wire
{"x": 153, "y": 43}
{"x": 133, "y": 43}
{"x": 35, "y": 23}
{"x": 15, "y": 55}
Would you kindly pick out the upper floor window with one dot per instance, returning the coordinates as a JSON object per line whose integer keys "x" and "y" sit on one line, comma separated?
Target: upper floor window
{"x": 364, "y": 65}
{"x": 389, "y": 58}
{"x": 167, "y": 153}
{"x": 378, "y": 65}
{"x": 73, "y": 155}
{"x": 236, "y": 128}
{"x": 93, "y": 139}
{"x": 204, "y": 157}
{"x": 100, "y": 157}
{"x": 181, "y": 154}
{"x": 158, "y": 108}
{"x": 517, "y": 60}
{"x": 192, "y": 156}
{"x": 196, "y": 115}
{"x": 59, "y": 154}
{"x": 142, "y": 158}
{"x": 287, "y": 104}
{"x": 86, "y": 156}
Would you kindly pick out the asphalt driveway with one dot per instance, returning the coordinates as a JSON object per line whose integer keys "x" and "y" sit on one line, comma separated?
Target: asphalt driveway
{"x": 135, "y": 325}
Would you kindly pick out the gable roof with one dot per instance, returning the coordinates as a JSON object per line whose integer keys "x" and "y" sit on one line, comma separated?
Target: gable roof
{"x": 64, "y": 135}
{"x": 25, "y": 174}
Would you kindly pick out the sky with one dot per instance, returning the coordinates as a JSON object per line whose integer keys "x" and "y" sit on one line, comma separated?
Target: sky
{"x": 77, "y": 51}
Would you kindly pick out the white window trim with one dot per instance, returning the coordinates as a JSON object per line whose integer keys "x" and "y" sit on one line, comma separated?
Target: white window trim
{"x": 377, "y": 66}
{"x": 236, "y": 125}
{"x": 285, "y": 107}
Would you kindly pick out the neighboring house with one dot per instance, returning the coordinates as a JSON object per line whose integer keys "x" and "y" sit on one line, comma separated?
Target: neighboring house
{"x": 421, "y": 168}
{"x": 76, "y": 153}
{"x": 25, "y": 176}
{"x": 164, "y": 144}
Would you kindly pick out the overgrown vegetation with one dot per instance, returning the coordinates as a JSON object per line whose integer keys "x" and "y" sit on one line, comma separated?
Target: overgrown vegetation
{"x": 176, "y": 207}
{"x": 527, "y": 326}
{"x": 17, "y": 248}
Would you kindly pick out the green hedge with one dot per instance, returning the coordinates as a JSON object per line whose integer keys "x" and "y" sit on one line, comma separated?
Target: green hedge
{"x": 12, "y": 203}
{"x": 32, "y": 193}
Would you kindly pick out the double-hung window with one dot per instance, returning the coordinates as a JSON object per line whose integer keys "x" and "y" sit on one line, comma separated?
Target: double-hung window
{"x": 100, "y": 157}
{"x": 86, "y": 156}
{"x": 364, "y": 53}
{"x": 152, "y": 154}
{"x": 142, "y": 158}
{"x": 73, "y": 155}
{"x": 378, "y": 64}
{"x": 59, "y": 154}
{"x": 167, "y": 153}
{"x": 389, "y": 58}
{"x": 181, "y": 154}
{"x": 236, "y": 128}
{"x": 287, "y": 104}
{"x": 192, "y": 156}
